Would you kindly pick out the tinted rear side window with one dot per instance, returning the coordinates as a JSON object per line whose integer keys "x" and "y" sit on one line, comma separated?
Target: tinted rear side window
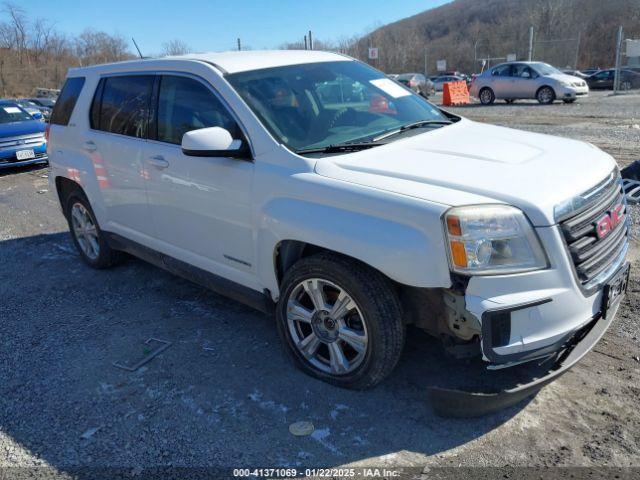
{"x": 121, "y": 105}
{"x": 67, "y": 101}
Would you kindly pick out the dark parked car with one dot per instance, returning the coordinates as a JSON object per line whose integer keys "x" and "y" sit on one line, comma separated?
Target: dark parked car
{"x": 22, "y": 137}
{"x": 604, "y": 79}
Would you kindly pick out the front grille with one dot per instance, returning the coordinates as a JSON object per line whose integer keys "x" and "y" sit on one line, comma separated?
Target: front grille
{"x": 25, "y": 141}
{"x": 592, "y": 256}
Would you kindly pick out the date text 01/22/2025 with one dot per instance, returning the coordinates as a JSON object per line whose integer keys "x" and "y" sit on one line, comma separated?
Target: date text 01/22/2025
{"x": 316, "y": 472}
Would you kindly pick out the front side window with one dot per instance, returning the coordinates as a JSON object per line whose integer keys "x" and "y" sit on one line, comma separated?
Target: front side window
{"x": 121, "y": 105}
{"x": 185, "y": 104}
{"x": 523, "y": 71}
{"x": 321, "y": 104}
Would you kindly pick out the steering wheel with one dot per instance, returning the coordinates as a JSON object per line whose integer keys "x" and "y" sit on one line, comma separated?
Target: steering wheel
{"x": 338, "y": 115}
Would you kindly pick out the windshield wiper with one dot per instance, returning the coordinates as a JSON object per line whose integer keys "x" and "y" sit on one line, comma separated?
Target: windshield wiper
{"x": 410, "y": 126}
{"x": 340, "y": 147}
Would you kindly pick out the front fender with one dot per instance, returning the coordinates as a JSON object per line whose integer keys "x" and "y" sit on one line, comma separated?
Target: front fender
{"x": 409, "y": 254}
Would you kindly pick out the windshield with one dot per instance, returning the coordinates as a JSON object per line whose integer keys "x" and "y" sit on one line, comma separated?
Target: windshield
{"x": 321, "y": 104}
{"x": 13, "y": 113}
{"x": 545, "y": 68}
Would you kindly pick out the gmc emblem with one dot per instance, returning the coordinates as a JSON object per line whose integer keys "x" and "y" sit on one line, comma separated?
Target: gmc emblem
{"x": 610, "y": 221}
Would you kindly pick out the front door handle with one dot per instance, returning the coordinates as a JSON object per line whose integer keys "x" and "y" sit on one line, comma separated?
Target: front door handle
{"x": 158, "y": 161}
{"x": 90, "y": 146}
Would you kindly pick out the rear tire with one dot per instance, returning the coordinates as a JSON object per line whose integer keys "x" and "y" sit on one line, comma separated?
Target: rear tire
{"x": 369, "y": 330}
{"x": 486, "y": 95}
{"x": 89, "y": 240}
{"x": 545, "y": 95}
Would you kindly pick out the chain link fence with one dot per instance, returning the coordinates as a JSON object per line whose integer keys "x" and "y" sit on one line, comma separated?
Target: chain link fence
{"x": 626, "y": 74}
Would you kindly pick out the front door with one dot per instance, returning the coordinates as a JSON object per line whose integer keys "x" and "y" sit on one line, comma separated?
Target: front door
{"x": 524, "y": 81}
{"x": 201, "y": 206}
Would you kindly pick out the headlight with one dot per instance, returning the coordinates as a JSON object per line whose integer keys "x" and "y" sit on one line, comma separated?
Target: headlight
{"x": 566, "y": 84}
{"x": 492, "y": 239}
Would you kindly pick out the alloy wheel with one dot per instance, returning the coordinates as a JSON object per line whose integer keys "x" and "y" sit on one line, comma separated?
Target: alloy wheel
{"x": 85, "y": 231}
{"x": 327, "y": 326}
{"x": 486, "y": 96}
{"x": 545, "y": 95}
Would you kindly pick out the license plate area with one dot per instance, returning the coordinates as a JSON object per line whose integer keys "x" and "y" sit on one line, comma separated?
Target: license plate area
{"x": 25, "y": 154}
{"x": 615, "y": 289}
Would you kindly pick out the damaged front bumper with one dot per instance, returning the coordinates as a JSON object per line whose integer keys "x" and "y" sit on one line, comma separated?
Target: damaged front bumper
{"x": 464, "y": 404}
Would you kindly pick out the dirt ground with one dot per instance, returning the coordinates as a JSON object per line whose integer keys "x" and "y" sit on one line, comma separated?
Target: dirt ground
{"x": 223, "y": 394}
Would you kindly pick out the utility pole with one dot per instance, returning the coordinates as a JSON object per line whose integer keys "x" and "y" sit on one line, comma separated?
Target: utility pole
{"x": 575, "y": 62}
{"x": 239, "y": 45}
{"x": 426, "y": 69}
{"x": 616, "y": 80}
{"x": 305, "y": 43}
{"x": 310, "y": 41}
{"x": 531, "y": 43}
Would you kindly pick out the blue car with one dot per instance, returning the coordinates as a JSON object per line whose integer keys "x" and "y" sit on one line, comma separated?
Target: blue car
{"x": 22, "y": 137}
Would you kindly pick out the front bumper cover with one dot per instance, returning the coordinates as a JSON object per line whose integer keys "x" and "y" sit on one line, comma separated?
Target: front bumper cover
{"x": 464, "y": 404}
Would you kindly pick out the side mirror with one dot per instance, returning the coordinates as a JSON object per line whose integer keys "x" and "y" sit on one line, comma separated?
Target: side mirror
{"x": 37, "y": 115}
{"x": 525, "y": 74}
{"x": 212, "y": 142}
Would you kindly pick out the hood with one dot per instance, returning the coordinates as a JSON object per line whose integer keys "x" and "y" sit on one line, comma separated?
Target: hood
{"x": 21, "y": 128}
{"x": 469, "y": 163}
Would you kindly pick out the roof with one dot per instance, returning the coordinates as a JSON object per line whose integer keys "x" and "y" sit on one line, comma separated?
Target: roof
{"x": 234, "y": 61}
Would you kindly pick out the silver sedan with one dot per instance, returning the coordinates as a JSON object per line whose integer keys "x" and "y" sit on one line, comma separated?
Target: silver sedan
{"x": 524, "y": 80}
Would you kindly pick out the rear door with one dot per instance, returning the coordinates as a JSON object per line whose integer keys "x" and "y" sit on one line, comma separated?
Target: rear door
{"x": 115, "y": 145}
{"x": 201, "y": 206}
{"x": 501, "y": 82}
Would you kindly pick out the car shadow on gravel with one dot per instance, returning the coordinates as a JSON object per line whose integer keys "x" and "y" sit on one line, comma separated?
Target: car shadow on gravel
{"x": 8, "y": 171}
{"x": 223, "y": 394}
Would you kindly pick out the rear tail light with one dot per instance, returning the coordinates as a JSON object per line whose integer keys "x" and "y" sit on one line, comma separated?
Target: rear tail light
{"x": 46, "y": 132}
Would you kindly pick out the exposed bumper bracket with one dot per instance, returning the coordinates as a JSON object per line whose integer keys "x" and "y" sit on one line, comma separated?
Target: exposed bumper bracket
{"x": 464, "y": 404}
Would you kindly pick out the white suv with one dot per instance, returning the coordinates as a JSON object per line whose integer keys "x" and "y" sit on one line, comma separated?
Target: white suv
{"x": 351, "y": 216}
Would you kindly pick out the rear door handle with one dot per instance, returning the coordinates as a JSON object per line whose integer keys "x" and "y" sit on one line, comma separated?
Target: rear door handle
{"x": 90, "y": 146}
{"x": 158, "y": 161}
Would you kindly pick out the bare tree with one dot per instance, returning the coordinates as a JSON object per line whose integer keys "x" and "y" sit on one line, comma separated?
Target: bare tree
{"x": 17, "y": 28}
{"x": 93, "y": 46}
{"x": 175, "y": 47}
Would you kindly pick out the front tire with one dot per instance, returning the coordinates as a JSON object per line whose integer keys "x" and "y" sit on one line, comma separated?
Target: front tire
{"x": 89, "y": 240}
{"x": 545, "y": 95}
{"x": 487, "y": 97}
{"x": 340, "y": 321}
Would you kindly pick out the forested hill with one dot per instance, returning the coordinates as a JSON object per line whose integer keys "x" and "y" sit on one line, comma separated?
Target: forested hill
{"x": 464, "y": 30}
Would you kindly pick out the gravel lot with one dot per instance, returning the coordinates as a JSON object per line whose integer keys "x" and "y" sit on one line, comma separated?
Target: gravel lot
{"x": 223, "y": 394}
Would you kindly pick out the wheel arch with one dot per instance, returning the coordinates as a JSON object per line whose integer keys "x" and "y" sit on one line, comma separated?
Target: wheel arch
{"x": 64, "y": 188}
{"x": 406, "y": 253}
